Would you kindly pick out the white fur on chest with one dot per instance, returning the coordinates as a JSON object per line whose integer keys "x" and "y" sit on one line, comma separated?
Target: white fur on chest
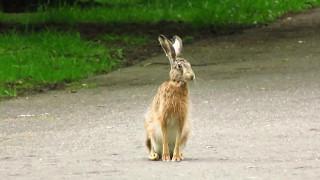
{"x": 172, "y": 133}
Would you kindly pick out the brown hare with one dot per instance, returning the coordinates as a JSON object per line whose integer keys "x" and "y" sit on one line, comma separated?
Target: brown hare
{"x": 166, "y": 121}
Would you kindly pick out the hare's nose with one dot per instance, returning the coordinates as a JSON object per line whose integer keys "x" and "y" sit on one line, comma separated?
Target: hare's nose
{"x": 190, "y": 76}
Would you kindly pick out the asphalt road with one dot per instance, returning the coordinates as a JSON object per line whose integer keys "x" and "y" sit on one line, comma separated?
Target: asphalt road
{"x": 255, "y": 115}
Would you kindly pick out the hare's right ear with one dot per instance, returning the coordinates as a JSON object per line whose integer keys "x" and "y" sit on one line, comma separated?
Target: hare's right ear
{"x": 177, "y": 45}
{"x": 167, "y": 48}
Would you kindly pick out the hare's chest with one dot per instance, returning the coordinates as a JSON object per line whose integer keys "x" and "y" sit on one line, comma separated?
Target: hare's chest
{"x": 175, "y": 107}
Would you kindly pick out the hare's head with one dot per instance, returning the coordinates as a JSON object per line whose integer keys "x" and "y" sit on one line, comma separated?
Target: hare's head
{"x": 180, "y": 68}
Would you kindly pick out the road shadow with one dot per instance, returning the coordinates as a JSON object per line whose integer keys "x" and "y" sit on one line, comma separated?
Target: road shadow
{"x": 189, "y": 159}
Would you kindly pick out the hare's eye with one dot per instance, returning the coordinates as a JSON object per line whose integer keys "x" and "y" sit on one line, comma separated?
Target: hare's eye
{"x": 179, "y": 66}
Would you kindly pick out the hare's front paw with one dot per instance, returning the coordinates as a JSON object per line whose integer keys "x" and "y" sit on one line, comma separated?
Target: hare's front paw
{"x": 154, "y": 156}
{"x": 177, "y": 157}
{"x": 165, "y": 157}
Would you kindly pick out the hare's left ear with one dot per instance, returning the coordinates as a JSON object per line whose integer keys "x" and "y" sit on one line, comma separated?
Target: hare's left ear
{"x": 177, "y": 45}
{"x": 167, "y": 48}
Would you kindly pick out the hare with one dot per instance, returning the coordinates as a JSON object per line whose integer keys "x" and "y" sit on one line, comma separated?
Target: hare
{"x": 166, "y": 122}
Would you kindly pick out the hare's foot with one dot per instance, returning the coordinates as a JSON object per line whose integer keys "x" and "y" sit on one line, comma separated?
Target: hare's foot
{"x": 165, "y": 157}
{"x": 182, "y": 157}
{"x": 154, "y": 156}
{"x": 177, "y": 157}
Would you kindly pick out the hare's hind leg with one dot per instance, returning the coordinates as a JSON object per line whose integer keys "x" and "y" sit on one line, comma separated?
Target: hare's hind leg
{"x": 152, "y": 154}
{"x": 150, "y": 139}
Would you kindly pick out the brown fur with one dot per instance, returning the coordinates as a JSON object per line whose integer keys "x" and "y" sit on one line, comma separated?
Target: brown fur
{"x": 169, "y": 109}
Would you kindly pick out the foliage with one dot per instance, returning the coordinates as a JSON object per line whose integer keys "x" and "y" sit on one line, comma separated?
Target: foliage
{"x": 127, "y": 39}
{"x": 199, "y": 13}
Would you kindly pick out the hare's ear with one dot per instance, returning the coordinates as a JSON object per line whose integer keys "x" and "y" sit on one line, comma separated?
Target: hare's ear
{"x": 167, "y": 48}
{"x": 177, "y": 44}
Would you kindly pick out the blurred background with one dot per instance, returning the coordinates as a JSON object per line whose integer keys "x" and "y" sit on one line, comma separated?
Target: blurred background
{"x": 52, "y": 44}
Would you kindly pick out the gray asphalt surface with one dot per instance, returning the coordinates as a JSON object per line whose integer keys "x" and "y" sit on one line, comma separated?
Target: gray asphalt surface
{"x": 255, "y": 115}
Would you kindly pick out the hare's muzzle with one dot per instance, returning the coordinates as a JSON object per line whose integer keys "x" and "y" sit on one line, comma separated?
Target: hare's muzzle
{"x": 190, "y": 76}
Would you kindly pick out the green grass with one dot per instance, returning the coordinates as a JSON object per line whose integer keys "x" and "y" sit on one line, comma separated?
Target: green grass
{"x": 196, "y": 12}
{"x": 33, "y": 60}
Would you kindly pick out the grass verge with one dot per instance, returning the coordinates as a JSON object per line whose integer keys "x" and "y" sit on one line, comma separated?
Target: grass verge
{"x": 48, "y": 60}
